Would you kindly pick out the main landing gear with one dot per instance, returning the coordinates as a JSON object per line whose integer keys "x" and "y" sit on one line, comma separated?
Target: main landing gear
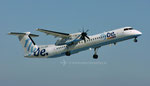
{"x": 135, "y": 39}
{"x": 95, "y": 56}
{"x": 68, "y": 53}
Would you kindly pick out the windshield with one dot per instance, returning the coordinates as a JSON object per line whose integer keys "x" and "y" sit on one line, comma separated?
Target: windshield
{"x": 128, "y": 29}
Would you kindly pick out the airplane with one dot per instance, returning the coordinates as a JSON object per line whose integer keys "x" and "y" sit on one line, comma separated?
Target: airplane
{"x": 69, "y": 44}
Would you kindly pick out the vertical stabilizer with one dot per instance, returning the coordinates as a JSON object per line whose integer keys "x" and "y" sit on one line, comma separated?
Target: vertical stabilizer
{"x": 27, "y": 43}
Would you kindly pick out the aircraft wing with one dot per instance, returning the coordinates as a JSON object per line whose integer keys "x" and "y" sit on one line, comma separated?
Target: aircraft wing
{"x": 54, "y": 33}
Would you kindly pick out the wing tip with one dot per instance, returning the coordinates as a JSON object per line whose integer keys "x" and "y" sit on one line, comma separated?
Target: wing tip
{"x": 37, "y": 29}
{"x": 9, "y": 33}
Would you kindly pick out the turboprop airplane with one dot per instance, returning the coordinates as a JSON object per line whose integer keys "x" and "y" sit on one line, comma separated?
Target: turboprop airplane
{"x": 69, "y": 44}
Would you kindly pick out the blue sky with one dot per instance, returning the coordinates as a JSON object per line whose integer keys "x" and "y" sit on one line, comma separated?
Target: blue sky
{"x": 127, "y": 64}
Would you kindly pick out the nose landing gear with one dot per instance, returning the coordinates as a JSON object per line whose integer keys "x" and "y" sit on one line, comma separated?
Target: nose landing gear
{"x": 135, "y": 39}
{"x": 95, "y": 56}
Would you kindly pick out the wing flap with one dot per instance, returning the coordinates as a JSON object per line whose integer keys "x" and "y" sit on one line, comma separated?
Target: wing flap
{"x": 54, "y": 33}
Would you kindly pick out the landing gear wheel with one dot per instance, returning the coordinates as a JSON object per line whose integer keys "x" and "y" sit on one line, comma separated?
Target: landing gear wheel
{"x": 95, "y": 56}
{"x": 135, "y": 40}
{"x": 67, "y": 53}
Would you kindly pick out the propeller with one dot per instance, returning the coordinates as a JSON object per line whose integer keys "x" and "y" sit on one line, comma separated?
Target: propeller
{"x": 84, "y": 35}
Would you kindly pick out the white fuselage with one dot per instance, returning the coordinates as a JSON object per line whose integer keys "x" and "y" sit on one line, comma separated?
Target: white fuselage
{"x": 95, "y": 41}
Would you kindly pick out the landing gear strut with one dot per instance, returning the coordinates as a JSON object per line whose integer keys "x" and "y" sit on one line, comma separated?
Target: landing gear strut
{"x": 95, "y": 56}
{"x": 135, "y": 39}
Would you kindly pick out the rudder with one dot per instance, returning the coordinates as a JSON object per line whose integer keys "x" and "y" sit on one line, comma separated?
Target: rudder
{"x": 27, "y": 43}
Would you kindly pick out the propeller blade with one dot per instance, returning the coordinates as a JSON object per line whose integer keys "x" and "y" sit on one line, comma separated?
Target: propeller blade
{"x": 82, "y": 29}
{"x": 81, "y": 37}
{"x": 84, "y": 40}
{"x": 87, "y": 37}
{"x": 87, "y": 30}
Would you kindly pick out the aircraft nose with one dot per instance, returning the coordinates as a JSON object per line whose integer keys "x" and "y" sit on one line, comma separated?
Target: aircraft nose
{"x": 138, "y": 33}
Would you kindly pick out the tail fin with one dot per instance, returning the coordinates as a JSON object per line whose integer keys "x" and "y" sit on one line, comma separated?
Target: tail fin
{"x": 27, "y": 43}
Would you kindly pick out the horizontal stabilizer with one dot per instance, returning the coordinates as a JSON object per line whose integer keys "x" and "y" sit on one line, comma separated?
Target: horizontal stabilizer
{"x": 26, "y": 33}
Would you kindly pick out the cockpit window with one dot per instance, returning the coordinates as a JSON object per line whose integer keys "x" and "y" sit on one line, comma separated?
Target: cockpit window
{"x": 128, "y": 29}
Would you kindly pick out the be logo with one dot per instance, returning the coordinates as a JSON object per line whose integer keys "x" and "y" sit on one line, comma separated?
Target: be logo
{"x": 40, "y": 52}
{"x": 111, "y": 35}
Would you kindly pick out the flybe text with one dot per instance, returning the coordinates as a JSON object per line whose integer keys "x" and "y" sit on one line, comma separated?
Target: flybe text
{"x": 111, "y": 35}
{"x": 40, "y": 52}
{"x": 108, "y": 35}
